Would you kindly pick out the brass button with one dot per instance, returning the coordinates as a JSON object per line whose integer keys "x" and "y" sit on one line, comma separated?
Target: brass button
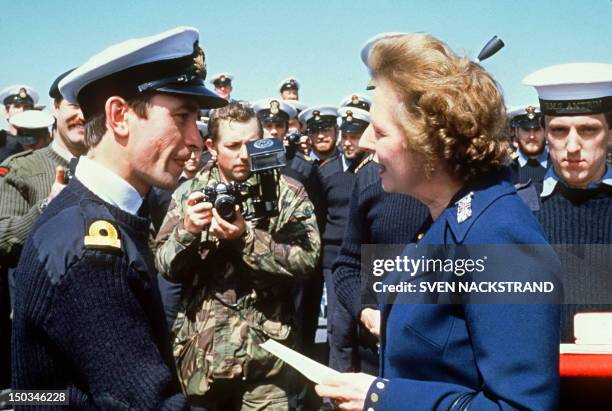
{"x": 420, "y": 236}
{"x": 374, "y": 397}
{"x": 380, "y": 385}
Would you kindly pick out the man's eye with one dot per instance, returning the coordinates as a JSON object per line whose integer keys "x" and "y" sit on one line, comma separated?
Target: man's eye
{"x": 589, "y": 130}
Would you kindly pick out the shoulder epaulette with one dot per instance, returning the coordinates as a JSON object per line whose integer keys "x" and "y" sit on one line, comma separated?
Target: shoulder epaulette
{"x": 364, "y": 162}
{"x": 17, "y": 155}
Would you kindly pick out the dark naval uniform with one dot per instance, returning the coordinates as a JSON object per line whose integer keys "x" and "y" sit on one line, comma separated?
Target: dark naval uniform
{"x": 336, "y": 184}
{"x": 86, "y": 282}
{"x": 581, "y": 217}
{"x": 372, "y": 214}
{"x": 455, "y": 357}
{"x": 8, "y": 146}
{"x": 528, "y": 169}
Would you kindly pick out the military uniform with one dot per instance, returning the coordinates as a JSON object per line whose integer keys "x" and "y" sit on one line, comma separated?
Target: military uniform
{"x": 524, "y": 168}
{"x": 88, "y": 317}
{"x": 237, "y": 293}
{"x": 23, "y": 190}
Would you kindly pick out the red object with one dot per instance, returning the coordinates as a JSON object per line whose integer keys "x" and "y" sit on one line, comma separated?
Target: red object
{"x": 585, "y": 365}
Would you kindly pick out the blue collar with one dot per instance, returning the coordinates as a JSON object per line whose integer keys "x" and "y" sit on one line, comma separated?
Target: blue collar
{"x": 542, "y": 158}
{"x": 551, "y": 179}
{"x": 470, "y": 202}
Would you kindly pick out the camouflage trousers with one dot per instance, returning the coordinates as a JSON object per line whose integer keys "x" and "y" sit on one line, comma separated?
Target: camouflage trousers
{"x": 237, "y": 395}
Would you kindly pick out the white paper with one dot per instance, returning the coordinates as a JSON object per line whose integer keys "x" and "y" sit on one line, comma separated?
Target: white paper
{"x": 311, "y": 369}
{"x": 586, "y": 348}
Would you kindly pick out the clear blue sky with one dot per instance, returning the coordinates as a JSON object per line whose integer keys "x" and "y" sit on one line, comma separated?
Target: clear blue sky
{"x": 262, "y": 42}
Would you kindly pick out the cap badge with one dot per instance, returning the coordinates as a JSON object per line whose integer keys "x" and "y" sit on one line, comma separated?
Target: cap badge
{"x": 23, "y": 93}
{"x": 464, "y": 208}
{"x": 349, "y": 115}
{"x": 530, "y": 112}
{"x": 354, "y": 99}
{"x": 102, "y": 234}
{"x": 274, "y": 107}
{"x": 317, "y": 115}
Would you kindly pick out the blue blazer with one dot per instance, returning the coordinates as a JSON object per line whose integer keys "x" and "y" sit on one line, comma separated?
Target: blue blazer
{"x": 481, "y": 356}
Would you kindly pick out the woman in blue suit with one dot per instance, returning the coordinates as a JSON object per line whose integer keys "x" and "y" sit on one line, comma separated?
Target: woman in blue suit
{"x": 437, "y": 134}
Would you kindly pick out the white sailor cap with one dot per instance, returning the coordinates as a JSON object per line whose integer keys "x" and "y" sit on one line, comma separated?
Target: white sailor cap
{"x": 573, "y": 89}
{"x": 273, "y": 110}
{"x": 170, "y": 62}
{"x": 19, "y": 94}
{"x": 288, "y": 83}
{"x": 221, "y": 78}
{"x": 297, "y": 105}
{"x": 525, "y": 116}
{"x": 30, "y": 123}
{"x": 203, "y": 127}
{"x": 357, "y": 100}
{"x": 353, "y": 119}
{"x": 317, "y": 117}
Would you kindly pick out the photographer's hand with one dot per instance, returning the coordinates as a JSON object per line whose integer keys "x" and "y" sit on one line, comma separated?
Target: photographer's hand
{"x": 224, "y": 230}
{"x": 198, "y": 214}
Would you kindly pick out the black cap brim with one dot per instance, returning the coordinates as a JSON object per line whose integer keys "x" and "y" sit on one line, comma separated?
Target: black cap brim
{"x": 206, "y": 98}
{"x": 26, "y": 140}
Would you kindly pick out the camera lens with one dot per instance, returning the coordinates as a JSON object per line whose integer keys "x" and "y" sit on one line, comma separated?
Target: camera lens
{"x": 225, "y": 206}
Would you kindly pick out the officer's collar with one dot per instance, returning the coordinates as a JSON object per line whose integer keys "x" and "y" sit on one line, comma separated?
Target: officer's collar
{"x": 107, "y": 185}
{"x": 472, "y": 200}
{"x": 542, "y": 158}
{"x": 551, "y": 179}
{"x": 60, "y": 150}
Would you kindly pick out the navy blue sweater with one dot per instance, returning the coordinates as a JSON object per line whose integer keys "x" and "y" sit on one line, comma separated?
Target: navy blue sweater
{"x": 576, "y": 216}
{"x": 336, "y": 186}
{"x": 90, "y": 320}
{"x": 375, "y": 217}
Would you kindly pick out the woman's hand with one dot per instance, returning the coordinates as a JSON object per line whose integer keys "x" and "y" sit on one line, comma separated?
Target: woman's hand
{"x": 348, "y": 391}
{"x": 370, "y": 318}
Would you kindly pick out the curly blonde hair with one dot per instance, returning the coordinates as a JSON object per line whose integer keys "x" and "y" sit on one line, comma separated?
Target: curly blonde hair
{"x": 452, "y": 111}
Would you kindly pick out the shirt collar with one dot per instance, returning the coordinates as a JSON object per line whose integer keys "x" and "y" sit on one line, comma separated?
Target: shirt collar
{"x": 108, "y": 186}
{"x": 346, "y": 163}
{"x": 542, "y": 158}
{"x": 551, "y": 179}
{"x": 60, "y": 150}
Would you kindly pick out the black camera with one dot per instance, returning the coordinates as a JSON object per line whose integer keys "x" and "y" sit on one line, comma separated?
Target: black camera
{"x": 258, "y": 196}
{"x": 293, "y": 141}
{"x": 225, "y": 197}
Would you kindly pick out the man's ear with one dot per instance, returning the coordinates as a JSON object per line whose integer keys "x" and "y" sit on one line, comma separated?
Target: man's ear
{"x": 116, "y": 109}
{"x": 211, "y": 147}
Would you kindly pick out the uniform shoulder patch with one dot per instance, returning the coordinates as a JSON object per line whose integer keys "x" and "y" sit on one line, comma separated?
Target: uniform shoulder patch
{"x": 4, "y": 171}
{"x": 102, "y": 235}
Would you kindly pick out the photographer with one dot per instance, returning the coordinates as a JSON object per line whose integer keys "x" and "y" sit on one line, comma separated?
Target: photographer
{"x": 237, "y": 274}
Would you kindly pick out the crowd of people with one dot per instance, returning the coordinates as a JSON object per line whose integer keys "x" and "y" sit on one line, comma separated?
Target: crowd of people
{"x": 148, "y": 248}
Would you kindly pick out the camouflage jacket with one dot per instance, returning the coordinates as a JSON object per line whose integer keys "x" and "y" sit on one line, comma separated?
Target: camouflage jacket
{"x": 236, "y": 294}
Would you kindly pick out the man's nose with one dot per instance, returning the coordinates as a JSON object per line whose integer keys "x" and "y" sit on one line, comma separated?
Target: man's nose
{"x": 572, "y": 144}
{"x": 366, "y": 142}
